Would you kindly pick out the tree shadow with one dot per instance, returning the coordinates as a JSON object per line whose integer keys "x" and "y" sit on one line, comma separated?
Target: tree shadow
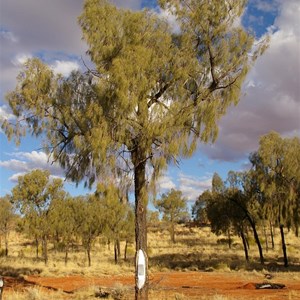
{"x": 18, "y": 272}
{"x": 194, "y": 262}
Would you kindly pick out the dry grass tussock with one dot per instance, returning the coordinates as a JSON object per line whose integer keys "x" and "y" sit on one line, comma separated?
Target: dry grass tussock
{"x": 196, "y": 249}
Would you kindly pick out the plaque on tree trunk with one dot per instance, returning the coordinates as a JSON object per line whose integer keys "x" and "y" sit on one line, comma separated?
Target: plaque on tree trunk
{"x": 141, "y": 269}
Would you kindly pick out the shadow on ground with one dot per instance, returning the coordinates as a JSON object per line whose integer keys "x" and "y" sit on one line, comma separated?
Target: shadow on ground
{"x": 193, "y": 262}
{"x": 18, "y": 272}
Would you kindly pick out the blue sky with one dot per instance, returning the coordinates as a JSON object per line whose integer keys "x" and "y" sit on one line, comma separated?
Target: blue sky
{"x": 270, "y": 100}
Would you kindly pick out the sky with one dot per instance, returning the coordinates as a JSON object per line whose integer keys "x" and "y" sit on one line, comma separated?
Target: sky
{"x": 270, "y": 98}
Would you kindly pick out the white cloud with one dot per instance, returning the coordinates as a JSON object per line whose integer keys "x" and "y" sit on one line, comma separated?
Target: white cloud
{"x": 170, "y": 18}
{"x": 165, "y": 183}
{"x": 266, "y": 6}
{"x": 8, "y": 36}
{"x": 192, "y": 187}
{"x": 64, "y": 67}
{"x": 20, "y": 59}
{"x": 14, "y": 165}
{"x": 24, "y": 162}
{"x": 14, "y": 177}
{"x": 272, "y": 93}
{"x": 5, "y": 114}
{"x": 132, "y": 4}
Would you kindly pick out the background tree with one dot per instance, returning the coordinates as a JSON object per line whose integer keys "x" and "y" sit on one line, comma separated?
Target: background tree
{"x": 154, "y": 94}
{"x": 232, "y": 207}
{"x": 276, "y": 164}
{"x": 128, "y": 230}
{"x": 62, "y": 217}
{"x": 6, "y": 220}
{"x": 114, "y": 214}
{"x": 32, "y": 197}
{"x": 89, "y": 217}
{"x": 173, "y": 207}
{"x": 199, "y": 211}
{"x": 244, "y": 194}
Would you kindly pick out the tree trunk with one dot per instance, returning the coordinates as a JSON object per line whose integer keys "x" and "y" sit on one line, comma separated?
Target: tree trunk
{"x": 37, "y": 247}
{"x": 173, "y": 232}
{"x": 252, "y": 224}
{"x": 286, "y": 264}
{"x": 272, "y": 236}
{"x": 45, "y": 249}
{"x": 266, "y": 238}
{"x": 88, "y": 250}
{"x": 116, "y": 251}
{"x": 245, "y": 245}
{"x": 262, "y": 261}
{"x": 125, "y": 250}
{"x": 229, "y": 238}
{"x": 141, "y": 198}
{"x": 119, "y": 247}
{"x": 66, "y": 253}
{"x": 6, "y": 243}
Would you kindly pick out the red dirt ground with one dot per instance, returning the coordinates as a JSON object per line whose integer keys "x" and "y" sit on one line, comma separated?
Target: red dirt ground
{"x": 194, "y": 285}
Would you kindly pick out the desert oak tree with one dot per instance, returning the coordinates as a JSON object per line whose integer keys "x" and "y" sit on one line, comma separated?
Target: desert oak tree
{"x": 153, "y": 93}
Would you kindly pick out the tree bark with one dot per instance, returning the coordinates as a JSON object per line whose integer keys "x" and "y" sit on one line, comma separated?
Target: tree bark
{"x": 245, "y": 245}
{"x": 173, "y": 232}
{"x": 45, "y": 249}
{"x": 119, "y": 247}
{"x": 6, "y": 247}
{"x": 37, "y": 247}
{"x": 285, "y": 258}
{"x": 66, "y": 253}
{"x": 262, "y": 261}
{"x": 252, "y": 224}
{"x": 116, "y": 251}
{"x": 125, "y": 250}
{"x": 141, "y": 198}
{"x": 88, "y": 250}
{"x": 272, "y": 236}
{"x": 266, "y": 238}
{"x": 229, "y": 238}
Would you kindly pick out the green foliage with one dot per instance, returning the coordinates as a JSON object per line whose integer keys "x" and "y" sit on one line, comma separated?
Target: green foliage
{"x": 276, "y": 165}
{"x": 139, "y": 96}
{"x": 7, "y": 218}
{"x": 173, "y": 206}
{"x": 114, "y": 212}
{"x": 32, "y": 196}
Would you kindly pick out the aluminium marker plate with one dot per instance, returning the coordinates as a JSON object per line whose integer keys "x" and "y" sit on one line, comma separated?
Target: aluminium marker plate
{"x": 141, "y": 269}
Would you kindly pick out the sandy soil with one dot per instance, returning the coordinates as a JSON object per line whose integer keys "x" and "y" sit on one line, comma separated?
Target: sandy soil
{"x": 194, "y": 285}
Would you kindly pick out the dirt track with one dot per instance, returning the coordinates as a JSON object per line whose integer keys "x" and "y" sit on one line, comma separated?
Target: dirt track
{"x": 195, "y": 285}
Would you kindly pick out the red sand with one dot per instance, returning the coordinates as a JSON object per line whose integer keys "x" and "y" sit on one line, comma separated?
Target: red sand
{"x": 191, "y": 284}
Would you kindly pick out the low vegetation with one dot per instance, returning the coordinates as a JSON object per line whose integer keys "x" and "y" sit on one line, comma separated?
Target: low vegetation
{"x": 196, "y": 249}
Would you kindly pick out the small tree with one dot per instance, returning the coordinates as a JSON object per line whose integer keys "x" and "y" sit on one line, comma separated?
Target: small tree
{"x": 32, "y": 196}
{"x": 114, "y": 214}
{"x": 276, "y": 165}
{"x": 62, "y": 217}
{"x": 89, "y": 218}
{"x": 6, "y": 219}
{"x": 128, "y": 230}
{"x": 174, "y": 208}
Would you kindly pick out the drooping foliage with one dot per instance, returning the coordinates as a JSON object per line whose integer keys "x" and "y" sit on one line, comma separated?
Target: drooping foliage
{"x": 277, "y": 166}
